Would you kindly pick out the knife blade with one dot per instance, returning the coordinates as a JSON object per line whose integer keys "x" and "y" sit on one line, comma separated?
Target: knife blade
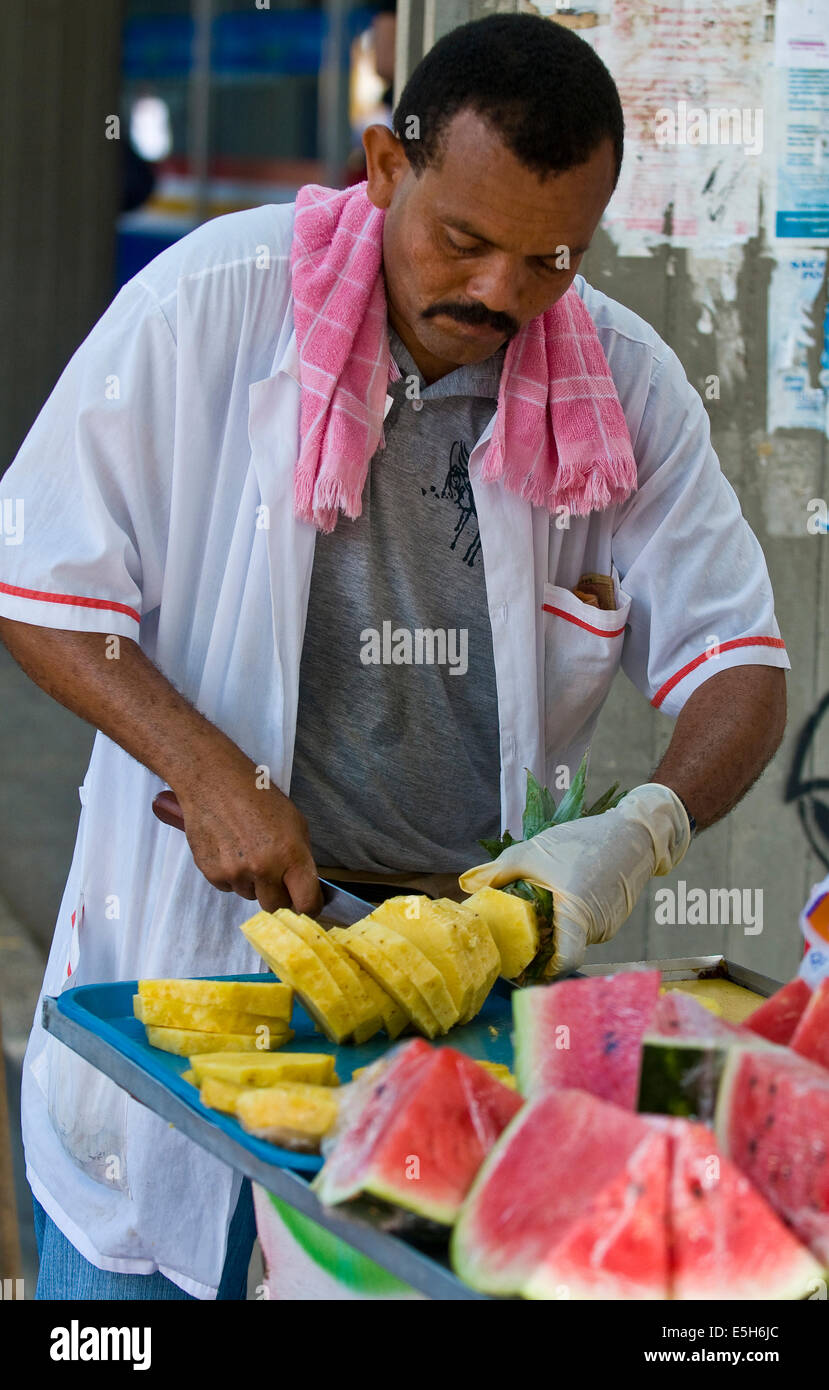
{"x": 338, "y": 905}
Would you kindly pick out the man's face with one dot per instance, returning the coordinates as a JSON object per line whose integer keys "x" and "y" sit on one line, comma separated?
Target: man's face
{"x": 478, "y": 244}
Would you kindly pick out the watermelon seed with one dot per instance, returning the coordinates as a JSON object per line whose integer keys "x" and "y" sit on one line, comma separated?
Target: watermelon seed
{"x": 769, "y": 1121}
{"x": 611, "y": 1042}
{"x": 752, "y": 1082}
{"x": 752, "y": 1147}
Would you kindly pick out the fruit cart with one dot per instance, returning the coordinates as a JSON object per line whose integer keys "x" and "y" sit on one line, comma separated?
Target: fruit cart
{"x": 97, "y": 1021}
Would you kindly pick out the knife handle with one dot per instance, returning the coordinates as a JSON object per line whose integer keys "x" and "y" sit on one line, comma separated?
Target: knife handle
{"x": 167, "y": 809}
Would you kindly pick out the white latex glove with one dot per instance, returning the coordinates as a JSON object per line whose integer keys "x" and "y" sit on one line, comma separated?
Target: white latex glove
{"x": 595, "y": 867}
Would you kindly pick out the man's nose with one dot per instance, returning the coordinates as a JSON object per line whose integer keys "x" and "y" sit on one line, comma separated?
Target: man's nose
{"x": 501, "y": 285}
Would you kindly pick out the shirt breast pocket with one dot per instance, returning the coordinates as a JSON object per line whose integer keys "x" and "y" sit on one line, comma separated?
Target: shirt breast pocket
{"x": 582, "y": 652}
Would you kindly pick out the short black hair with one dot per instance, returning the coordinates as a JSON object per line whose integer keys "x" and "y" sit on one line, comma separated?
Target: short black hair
{"x": 542, "y": 88}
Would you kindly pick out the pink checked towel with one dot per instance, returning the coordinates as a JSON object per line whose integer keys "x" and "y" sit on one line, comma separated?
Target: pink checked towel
{"x": 560, "y": 437}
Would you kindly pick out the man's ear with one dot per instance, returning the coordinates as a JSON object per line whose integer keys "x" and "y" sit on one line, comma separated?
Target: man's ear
{"x": 386, "y": 164}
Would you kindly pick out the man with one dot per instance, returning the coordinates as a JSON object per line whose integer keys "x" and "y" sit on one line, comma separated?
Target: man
{"x": 175, "y": 589}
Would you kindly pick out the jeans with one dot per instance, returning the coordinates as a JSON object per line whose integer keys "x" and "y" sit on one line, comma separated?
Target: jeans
{"x": 65, "y": 1274}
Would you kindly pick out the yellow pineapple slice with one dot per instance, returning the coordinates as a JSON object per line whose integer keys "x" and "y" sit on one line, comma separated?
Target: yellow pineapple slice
{"x": 269, "y": 1069}
{"x": 220, "y": 1095}
{"x": 190, "y": 1076}
{"x": 413, "y": 965}
{"x": 185, "y": 1042}
{"x": 484, "y": 952}
{"x": 391, "y": 978}
{"x": 300, "y": 967}
{"x": 367, "y": 1016}
{"x": 500, "y": 1071}
{"x": 394, "y": 1018}
{"x": 513, "y": 924}
{"x": 439, "y": 937}
{"x": 295, "y": 1116}
{"x": 201, "y": 1018}
{"x": 242, "y": 996}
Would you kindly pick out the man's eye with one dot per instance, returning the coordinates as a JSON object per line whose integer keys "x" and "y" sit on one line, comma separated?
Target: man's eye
{"x": 458, "y": 246}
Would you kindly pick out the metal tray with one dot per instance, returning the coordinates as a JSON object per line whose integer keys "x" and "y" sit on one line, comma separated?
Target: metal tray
{"x": 97, "y": 1022}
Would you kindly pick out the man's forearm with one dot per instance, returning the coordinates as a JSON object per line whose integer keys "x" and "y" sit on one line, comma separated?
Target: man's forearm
{"x": 126, "y": 697}
{"x": 724, "y": 736}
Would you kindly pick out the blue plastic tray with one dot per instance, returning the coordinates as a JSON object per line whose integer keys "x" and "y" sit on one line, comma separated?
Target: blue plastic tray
{"x": 105, "y": 1011}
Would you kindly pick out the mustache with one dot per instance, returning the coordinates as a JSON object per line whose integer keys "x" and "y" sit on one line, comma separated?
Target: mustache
{"x": 476, "y": 315}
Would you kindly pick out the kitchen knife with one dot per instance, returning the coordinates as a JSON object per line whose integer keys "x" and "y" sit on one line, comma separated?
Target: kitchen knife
{"x": 338, "y": 905}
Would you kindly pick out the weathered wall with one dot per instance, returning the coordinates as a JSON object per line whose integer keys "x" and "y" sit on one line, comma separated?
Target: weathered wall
{"x": 60, "y": 181}
{"x": 763, "y": 844}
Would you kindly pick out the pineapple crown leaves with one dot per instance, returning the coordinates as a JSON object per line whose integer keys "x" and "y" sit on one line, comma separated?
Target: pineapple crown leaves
{"x": 541, "y": 812}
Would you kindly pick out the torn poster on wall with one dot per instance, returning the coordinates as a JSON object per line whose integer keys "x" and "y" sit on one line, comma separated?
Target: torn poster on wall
{"x": 794, "y": 402}
{"x": 801, "y": 162}
{"x": 691, "y": 78}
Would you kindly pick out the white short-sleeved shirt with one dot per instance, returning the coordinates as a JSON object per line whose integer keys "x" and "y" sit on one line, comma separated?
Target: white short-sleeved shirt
{"x": 156, "y": 487}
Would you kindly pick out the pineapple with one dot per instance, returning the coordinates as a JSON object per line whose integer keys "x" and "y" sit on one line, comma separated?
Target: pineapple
{"x": 240, "y": 996}
{"x": 300, "y": 967}
{"x": 220, "y": 1095}
{"x": 269, "y": 1069}
{"x": 293, "y": 1114}
{"x": 500, "y": 1071}
{"x": 485, "y": 957}
{"x": 395, "y": 981}
{"x": 513, "y": 923}
{"x": 394, "y": 1018}
{"x": 440, "y": 939}
{"x": 367, "y": 1015}
{"x": 185, "y": 1042}
{"x": 540, "y": 813}
{"x": 411, "y": 962}
{"x": 201, "y": 1018}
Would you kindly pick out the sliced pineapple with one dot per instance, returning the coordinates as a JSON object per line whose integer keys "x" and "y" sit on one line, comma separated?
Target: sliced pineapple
{"x": 367, "y": 1016}
{"x": 220, "y": 1095}
{"x": 242, "y": 996}
{"x": 484, "y": 952}
{"x": 201, "y": 1018}
{"x": 438, "y": 935}
{"x": 300, "y": 967}
{"x": 190, "y": 1076}
{"x": 185, "y": 1042}
{"x": 391, "y": 978}
{"x": 513, "y": 924}
{"x": 267, "y": 1070}
{"x": 294, "y": 1115}
{"x": 413, "y": 966}
{"x": 500, "y": 1071}
{"x": 394, "y": 1018}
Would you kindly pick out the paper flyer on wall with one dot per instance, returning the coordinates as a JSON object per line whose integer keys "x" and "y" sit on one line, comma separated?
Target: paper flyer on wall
{"x": 797, "y": 398}
{"x": 691, "y": 80}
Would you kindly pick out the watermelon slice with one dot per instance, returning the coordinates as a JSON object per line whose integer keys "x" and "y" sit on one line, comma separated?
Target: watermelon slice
{"x": 415, "y": 1132}
{"x": 726, "y": 1242}
{"x": 585, "y": 1034}
{"x": 811, "y": 1036}
{"x": 569, "y": 1204}
{"x": 679, "y": 1015}
{"x": 772, "y": 1119}
{"x": 780, "y": 1015}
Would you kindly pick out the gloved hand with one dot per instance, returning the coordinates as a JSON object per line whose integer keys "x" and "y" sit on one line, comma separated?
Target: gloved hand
{"x": 595, "y": 867}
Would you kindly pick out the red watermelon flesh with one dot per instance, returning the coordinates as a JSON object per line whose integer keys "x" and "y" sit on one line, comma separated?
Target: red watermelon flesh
{"x": 573, "y": 1177}
{"x": 773, "y": 1122}
{"x": 725, "y": 1240}
{"x": 619, "y": 1248}
{"x": 584, "y": 1034}
{"x": 811, "y": 1036}
{"x": 680, "y": 1015}
{"x": 778, "y": 1018}
{"x": 420, "y": 1134}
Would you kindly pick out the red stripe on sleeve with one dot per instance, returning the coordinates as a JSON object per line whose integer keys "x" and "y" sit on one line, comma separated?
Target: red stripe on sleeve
{"x": 75, "y": 600}
{"x": 706, "y": 656}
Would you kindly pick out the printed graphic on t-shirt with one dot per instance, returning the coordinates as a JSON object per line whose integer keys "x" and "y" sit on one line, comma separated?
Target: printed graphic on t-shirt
{"x": 458, "y": 489}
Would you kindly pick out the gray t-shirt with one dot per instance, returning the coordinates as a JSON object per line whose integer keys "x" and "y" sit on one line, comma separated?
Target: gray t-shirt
{"x": 396, "y": 765}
